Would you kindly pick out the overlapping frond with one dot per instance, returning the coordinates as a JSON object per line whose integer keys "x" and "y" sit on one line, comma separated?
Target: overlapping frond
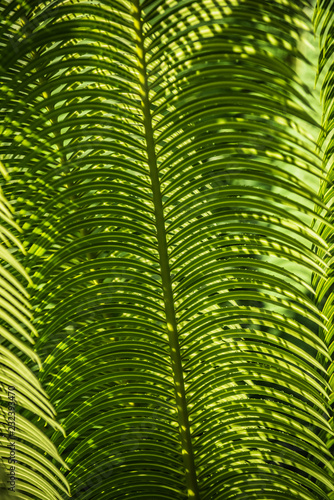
{"x": 323, "y": 23}
{"x": 25, "y": 452}
{"x": 160, "y": 166}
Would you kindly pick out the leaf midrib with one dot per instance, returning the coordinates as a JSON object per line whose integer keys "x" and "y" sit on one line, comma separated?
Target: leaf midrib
{"x": 180, "y": 397}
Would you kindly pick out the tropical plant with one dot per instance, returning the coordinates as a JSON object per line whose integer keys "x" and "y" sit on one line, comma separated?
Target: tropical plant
{"x": 161, "y": 159}
{"x": 22, "y": 445}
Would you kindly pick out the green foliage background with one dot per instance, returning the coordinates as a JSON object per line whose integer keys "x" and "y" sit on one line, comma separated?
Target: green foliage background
{"x": 167, "y": 197}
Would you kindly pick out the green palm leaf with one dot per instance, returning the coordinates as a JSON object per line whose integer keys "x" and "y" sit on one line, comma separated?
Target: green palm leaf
{"x": 323, "y": 21}
{"x": 159, "y": 158}
{"x": 21, "y": 443}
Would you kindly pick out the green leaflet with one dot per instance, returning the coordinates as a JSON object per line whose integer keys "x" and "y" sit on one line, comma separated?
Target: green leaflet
{"x": 161, "y": 167}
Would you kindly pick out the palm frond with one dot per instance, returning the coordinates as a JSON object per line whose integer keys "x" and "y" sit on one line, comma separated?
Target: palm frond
{"x": 22, "y": 445}
{"x": 158, "y": 156}
{"x": 323, "y": 22}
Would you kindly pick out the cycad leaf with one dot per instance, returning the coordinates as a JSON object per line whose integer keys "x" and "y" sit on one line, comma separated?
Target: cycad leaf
{"x": 158, "y": 155}
{"x": 323, "y": 21}
{"x": 20, "y": 388}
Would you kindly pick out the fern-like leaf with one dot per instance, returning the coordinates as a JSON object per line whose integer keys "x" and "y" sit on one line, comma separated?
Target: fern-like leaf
{"x": 157, "y": 151}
